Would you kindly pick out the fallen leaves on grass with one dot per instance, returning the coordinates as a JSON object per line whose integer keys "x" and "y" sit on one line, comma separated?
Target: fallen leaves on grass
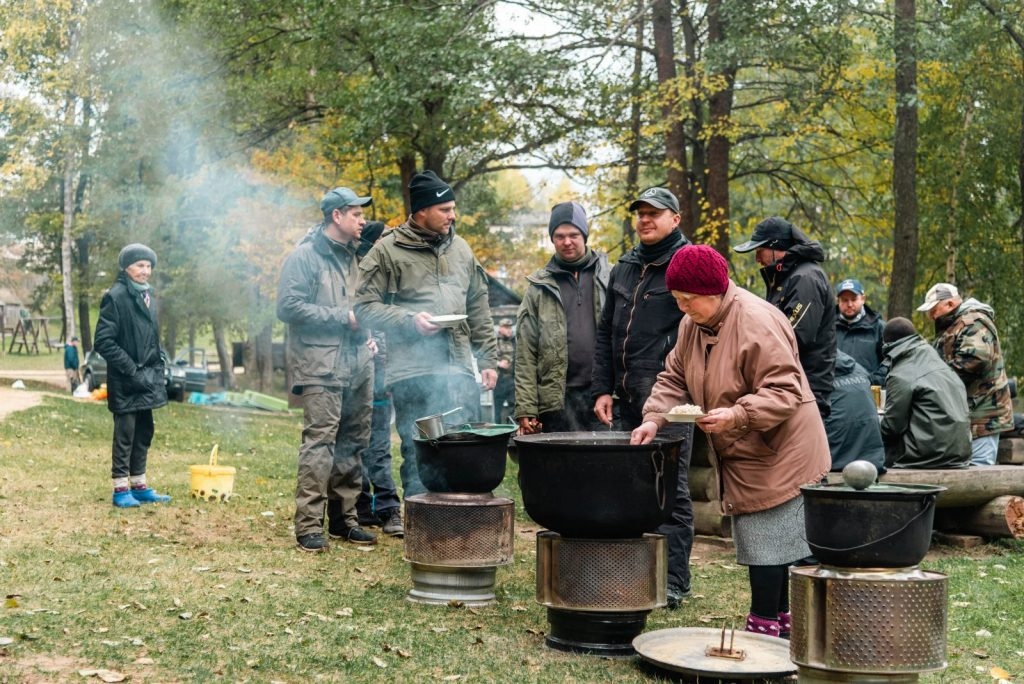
{"x": 379, "y": 663}
{"x": 104, "y": 675}
{"x": 1000, "y": 674}
{"x": 12, "y": 601}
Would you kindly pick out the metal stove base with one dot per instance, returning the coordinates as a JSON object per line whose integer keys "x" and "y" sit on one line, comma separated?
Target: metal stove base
{"x": 442, "y": 585}
{"x": 595, "y": 632}
{"x": 813, "y": 675}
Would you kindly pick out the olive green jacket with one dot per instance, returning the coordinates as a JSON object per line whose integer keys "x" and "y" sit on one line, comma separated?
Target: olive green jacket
{"x": 541, "y": 354}
{"x": 402, "y": 275}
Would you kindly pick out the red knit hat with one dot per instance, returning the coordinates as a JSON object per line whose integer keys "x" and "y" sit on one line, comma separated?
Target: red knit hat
{"x": 698, "y": 269}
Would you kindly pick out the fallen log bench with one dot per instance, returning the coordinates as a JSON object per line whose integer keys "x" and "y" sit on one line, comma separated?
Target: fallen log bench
{"x": 965, "y": 487}
{"x": 987, "y": 501}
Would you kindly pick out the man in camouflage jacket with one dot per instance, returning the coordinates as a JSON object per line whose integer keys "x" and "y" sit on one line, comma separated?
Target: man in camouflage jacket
{"x": 967, "y": 340}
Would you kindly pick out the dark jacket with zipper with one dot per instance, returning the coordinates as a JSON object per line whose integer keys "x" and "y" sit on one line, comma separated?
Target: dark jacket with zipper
{"x": 862, "y": 339}
{"x": 128, "y": 339}
{"x": 799, "y": 288}
{"x": 638, "y": 327}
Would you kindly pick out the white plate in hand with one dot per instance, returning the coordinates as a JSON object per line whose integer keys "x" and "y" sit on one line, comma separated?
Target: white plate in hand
{"x": 682, "y": 417}
{"x": 448, "y": 320}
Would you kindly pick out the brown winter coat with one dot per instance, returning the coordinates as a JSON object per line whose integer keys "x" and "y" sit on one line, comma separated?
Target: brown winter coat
{"x": 750, "y": 367}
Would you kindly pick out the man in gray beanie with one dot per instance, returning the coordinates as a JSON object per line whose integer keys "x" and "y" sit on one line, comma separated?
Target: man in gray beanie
{"x": 128, "y": 338}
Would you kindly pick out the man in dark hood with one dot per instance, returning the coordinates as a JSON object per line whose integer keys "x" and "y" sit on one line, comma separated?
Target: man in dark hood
{"x": 799, "y": 288}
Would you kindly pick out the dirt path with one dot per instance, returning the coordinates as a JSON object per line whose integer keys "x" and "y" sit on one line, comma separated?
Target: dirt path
{"x": 12, "y": 400}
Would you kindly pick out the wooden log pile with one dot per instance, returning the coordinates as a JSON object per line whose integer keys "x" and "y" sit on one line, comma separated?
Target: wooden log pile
{"x": 708, "y": 518}
{"x": 985, "y": 501}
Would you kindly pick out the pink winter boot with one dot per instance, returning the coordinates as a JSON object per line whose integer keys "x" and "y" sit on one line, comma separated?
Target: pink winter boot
{"x": 760, "y": 625}
{"x": 785, "y": 624}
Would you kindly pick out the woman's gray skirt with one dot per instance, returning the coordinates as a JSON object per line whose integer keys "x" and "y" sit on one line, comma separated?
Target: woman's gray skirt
{"x": 772, "y": 537}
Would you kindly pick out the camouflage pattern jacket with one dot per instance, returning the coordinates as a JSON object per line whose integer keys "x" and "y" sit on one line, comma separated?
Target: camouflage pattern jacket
{"x": 967, "y": 340}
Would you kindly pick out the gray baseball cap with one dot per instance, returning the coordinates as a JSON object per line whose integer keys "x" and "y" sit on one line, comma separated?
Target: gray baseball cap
{"x": 339, "y": 198}
{"x": 660, "y": 198}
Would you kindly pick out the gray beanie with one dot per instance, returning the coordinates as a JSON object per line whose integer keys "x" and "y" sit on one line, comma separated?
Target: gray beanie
{"x": 571, "y": 213}
{"x": 135, "y": 252}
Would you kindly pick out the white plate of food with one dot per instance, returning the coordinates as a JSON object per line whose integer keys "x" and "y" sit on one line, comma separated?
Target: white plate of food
{"x": 448, "y": 320}
{"x": 685, "y": 413}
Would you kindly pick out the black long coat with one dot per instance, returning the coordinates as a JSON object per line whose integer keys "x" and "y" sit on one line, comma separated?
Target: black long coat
{"x": 128, "y": 338}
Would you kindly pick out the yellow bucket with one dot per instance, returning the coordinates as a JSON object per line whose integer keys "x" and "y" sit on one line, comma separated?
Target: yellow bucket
{"x": 212, "y": 482}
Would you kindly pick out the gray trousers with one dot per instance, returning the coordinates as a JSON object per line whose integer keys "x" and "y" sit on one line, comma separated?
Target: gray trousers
{"x": 335, "y": 429}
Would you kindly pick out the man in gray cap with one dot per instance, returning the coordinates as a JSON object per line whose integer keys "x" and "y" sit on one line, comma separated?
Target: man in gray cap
{"x": 128, "y": 338}
{"x": 638, "y": 328}
{"x": 967, "y": 340}
{"x": 330, "y": 366}
{"x": 799, "y": 288}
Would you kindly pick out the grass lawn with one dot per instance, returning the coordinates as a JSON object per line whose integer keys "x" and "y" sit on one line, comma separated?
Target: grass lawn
{"x": 198, "y": 591}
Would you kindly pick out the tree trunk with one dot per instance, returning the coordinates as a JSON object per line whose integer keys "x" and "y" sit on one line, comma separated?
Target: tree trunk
{"x": 698, "y": 157}
{"x": 703, "y": 483}
{"x": 227, "y": 366}
{"x": 715, "y": 226}
{"x": 85, "y": 326}
{"x": 675, "y": 134}
{"x": 635, "y": 128}
{"x": 407, "y": 169}
{"x": 904, "y": 178}
{"x": 1000, "y": 518}
{"x": 70, "y": 142}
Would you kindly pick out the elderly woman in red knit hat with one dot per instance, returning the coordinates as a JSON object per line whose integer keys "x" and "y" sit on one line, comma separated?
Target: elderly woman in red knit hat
{"x": 736, "y": 357}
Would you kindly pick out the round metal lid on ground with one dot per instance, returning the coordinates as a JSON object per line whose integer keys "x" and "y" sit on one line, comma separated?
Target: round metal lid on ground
{"x": 686, "y": 650}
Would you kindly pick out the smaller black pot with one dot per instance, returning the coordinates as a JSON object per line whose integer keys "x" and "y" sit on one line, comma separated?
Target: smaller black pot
{"x": 461, "y": 462}
{"x": 883, "y": 526}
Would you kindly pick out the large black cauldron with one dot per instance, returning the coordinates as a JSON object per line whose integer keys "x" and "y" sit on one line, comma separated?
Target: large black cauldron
{"x": 883, "y": 526}
{"x": 462, "y": 462}
{"x": 596, "y": 484}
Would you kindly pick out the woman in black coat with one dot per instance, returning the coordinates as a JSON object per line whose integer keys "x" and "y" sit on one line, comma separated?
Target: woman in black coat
{"x": 128, "y": 338}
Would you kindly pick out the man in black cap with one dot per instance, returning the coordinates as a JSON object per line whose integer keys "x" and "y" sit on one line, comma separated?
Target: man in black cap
{"x": 128, "y": 338}
{"x": 798, "y": 287}
{"x": 329, "y": 359}
{"x": 638, "y": 327}
{"x": 424, "y": 288}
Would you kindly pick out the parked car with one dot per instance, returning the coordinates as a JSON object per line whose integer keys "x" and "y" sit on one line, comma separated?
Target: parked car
{"x": 95, "y": 374}
{"x": 197, "y": 369}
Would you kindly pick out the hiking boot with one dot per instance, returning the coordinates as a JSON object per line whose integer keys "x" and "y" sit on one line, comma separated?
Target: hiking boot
{"x": 149, "y": 495}
{"x": 313, "y": 543}
{"x": 760, "y": 625}
{"x": 367, "y": 518}
{"x": 357, "y": 535}
{"x": 125, "y": 500}
{"x": 392, "y": 523}
{"x": 674, "y": 596}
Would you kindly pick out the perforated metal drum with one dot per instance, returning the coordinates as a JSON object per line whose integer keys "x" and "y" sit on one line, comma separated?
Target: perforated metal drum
{"x": 601, "y": 574}
{"x": 874, "y": 622}
{"x": 459, "y": 530}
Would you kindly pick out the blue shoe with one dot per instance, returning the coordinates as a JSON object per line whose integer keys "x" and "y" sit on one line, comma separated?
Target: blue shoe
{"x": 149, "y": 495}
{"x": 125, "y": 500}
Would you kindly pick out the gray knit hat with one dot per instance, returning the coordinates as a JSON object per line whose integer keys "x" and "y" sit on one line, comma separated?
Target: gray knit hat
{"x": 135, "y": 252}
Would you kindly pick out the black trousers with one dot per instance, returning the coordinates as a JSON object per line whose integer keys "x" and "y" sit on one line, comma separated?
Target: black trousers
{"x": 133, "y": 434}
{"x": 679, "y": 527}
